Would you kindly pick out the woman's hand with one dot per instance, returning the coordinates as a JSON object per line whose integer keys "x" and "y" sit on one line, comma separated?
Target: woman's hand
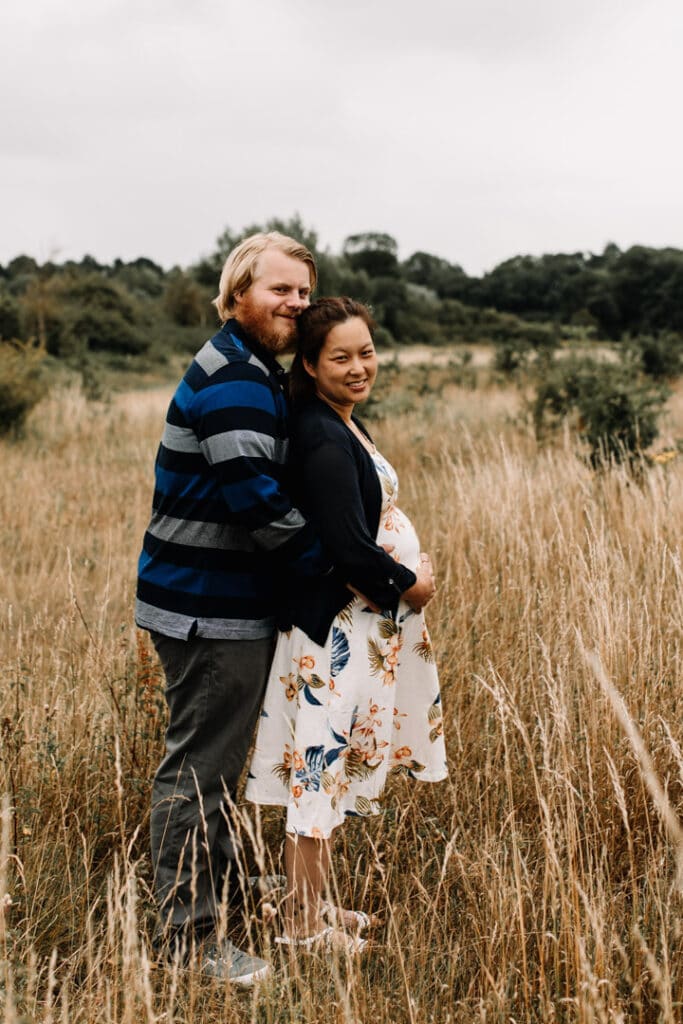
{"x": 422, "y": 591}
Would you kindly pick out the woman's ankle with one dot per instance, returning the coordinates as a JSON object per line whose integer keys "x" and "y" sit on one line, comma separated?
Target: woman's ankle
{"x": 302, "y": 919}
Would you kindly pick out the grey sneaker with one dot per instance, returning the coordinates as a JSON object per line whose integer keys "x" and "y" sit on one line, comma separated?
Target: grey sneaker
{"x": 223, "y": 960}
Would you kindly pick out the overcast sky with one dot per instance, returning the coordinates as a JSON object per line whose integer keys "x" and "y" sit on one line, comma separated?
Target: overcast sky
{"x": 472, "y": 129}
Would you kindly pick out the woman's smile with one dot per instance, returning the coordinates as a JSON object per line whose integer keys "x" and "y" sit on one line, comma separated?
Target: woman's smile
{"x": 346, "y": 367}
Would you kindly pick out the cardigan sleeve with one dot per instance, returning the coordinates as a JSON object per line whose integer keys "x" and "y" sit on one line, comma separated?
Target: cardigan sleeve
{"x": 334, "y": 504}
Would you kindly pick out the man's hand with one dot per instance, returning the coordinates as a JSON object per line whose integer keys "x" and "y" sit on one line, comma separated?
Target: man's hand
{"x": 421, "y": 592}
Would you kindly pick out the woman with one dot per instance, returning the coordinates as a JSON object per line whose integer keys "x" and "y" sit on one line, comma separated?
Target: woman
{"x": 353, "y": 693}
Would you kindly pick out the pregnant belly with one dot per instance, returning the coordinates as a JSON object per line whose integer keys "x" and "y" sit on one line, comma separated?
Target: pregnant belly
{"x": 395, "y": 528}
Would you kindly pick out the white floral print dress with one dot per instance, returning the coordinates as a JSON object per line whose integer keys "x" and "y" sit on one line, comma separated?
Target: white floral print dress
{"x": 338, "y": 720}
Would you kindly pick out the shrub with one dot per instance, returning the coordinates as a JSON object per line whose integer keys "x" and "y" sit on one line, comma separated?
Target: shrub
{"x": 89, "y": 313}
{"x": 616, "y": 411}
{"x": 21, "y": 384}
{"x": 98, "y": 330}
{"x": 511, "y": 356}
{"x": 660, "y": 356}
{"x": 10, "y": 322}
{"x": 185, "y": 301}
{"x": 518, "y": 341}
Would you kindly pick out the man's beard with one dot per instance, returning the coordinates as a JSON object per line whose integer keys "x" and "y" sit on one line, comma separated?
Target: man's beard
{"x": 274, "y": 334}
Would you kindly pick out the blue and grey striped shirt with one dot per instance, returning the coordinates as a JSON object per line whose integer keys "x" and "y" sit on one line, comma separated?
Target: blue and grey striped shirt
{"x": 224, "y": 539}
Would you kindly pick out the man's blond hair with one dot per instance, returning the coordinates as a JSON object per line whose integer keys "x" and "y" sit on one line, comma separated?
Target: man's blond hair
{"x": 239, "y": 268}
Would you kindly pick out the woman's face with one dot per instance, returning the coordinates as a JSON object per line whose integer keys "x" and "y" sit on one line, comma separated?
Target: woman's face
{"x": 347, "y": 364}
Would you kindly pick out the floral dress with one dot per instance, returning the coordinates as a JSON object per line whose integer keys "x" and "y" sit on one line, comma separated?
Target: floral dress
{"x": 338, "y": 720}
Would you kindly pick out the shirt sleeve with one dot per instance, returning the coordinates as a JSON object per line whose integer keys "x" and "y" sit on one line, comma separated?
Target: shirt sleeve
{"x": 236, "y": 427}
{"x": 335, "y": 505}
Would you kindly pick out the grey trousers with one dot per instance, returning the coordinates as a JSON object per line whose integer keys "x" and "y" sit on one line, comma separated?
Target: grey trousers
{"x": 214, "y": 690}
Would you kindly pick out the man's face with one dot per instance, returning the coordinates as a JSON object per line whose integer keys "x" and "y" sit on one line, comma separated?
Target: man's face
{"x": 280, "y": 291}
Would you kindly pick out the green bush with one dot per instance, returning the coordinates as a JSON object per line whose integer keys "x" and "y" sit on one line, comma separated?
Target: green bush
{"x": 10, "y": 321}
{"x": 659, "y": 356}
{"x": 96, "y": 330}
{"x": 510, "y": 356}
{"x": 185, "y": 301}
{"x": 615, "y": 410}
{"x": 72, "y": 314}
{"x": 21, "y": 384}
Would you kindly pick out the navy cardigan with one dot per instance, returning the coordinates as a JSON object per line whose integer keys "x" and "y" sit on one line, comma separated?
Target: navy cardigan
{"x": 334, "y": 482}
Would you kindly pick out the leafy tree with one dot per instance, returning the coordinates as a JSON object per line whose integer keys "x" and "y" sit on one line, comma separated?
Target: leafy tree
{"x": 184, "y": 301}
{"x": 89, "y": 265}
{"x": 20, "y": 272}
{"x": 22, "y": 266}
{"x": 374, "y": 252}
{"x": 141, "y": 277}
{"x": 389, "y": 298}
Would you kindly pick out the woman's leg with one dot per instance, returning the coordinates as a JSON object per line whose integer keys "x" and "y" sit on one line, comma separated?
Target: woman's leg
{"x": 307, "y": 863}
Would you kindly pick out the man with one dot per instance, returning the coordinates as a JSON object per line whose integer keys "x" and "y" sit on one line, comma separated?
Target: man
{"x": 222, "y": 531}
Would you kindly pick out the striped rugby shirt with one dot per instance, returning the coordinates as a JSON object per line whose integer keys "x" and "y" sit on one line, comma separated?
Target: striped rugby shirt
{"x": 223, "y": 531}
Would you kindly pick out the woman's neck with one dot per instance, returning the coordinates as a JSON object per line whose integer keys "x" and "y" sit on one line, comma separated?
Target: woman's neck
{"x": 343, "y": 411}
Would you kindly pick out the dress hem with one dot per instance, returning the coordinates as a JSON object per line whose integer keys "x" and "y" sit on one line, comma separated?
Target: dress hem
{"x": 284, "y": 802}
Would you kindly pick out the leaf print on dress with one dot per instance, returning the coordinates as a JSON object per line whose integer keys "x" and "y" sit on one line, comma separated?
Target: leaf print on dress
{"x": 283, "y": 769}
{"x": 375, "y": 657}
{"x": 365, "y": 752}
{"x": 388, "y": 627}
{"x": 334, "y": 753}
{"x": 335, "y": 786}
{"x": 301, "y": 772}
{"x": 388, "y": 481}
{"x": 394, "y": 522}
{"x": 345, "y": 616}
{"x": 306, "y": 679}
{"x": 403, "y": 763}
{"x": 424, "y": 648}
{"x": 435, "y": 719}
{"x": 340, "y": 651}
{"x": 291, "y": 686}
{"x": 383, "y": 657}
{"x": 308, "y": 774}
{"x": 363, "y": 806}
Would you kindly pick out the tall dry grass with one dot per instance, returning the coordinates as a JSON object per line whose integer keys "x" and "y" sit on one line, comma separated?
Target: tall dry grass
{"x": 538, "y": 884}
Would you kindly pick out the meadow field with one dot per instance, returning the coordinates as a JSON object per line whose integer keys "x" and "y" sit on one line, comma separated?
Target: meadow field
{"x": 541, "y": 883}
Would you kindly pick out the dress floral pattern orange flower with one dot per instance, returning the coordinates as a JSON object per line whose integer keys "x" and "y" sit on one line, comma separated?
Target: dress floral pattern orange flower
{"x": 338, "y": 720}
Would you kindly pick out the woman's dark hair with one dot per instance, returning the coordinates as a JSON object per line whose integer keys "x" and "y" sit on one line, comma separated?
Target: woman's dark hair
{"x": 313, "y": 326}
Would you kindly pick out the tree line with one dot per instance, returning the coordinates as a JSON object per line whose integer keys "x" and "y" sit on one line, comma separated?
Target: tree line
{"x": 137, "y": 308}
